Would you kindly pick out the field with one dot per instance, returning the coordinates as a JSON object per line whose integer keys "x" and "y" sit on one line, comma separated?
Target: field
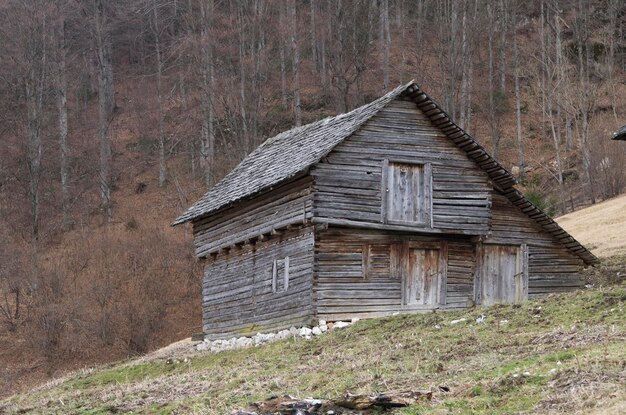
{"x": 599, "y": 227}
{"x": 561, "y": 354}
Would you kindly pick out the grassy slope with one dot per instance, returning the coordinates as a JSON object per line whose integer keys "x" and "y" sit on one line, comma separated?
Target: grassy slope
{"x": 584, "y": 331}
{"x": 599, "y": 227}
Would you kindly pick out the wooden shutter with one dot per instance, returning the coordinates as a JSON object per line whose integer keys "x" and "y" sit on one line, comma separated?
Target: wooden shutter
{"x": 286, "y": 274}
{"x": 503, "y": 274}
{"x": 407, "y": 193}
{"x": 280, "y": 266}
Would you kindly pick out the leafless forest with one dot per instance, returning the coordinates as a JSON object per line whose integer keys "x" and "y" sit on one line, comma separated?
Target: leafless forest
{"x": 115, "y": 115}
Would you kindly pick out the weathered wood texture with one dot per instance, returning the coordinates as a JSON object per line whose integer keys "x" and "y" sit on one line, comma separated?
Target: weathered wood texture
{"x": 406, "y": 196}
{"x": 421, "y": 284}
{"x": 287, "y": 205}
{"x": 364, "y": 273}
{"x": 503, "y": 277}
{"x": 348, "y": 180}
{"x": 551, "y": 267}
{"x": 240, "y": 295}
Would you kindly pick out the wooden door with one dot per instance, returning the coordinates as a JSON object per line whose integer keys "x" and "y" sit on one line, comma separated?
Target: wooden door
{"x": 504, "y": 275}
{"x": 407, "y": 196}
{"x": 422, "y": 283}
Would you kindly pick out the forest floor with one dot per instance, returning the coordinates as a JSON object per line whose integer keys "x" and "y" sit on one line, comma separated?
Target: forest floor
{"x": 560, "y": 354}
{"x": 599, "y": 227}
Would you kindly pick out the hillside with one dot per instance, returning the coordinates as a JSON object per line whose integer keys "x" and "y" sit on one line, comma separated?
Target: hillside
{"x": 599, "y": 227}
{"x": 561, "y": 354}
{"x": 87, "y": 278}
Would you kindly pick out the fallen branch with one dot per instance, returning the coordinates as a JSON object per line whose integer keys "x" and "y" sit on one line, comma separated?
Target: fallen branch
{"x": 394, "y": 400}
{"x": 288, "y": 405}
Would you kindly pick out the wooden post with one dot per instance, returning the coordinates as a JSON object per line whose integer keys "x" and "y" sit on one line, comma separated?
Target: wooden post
{"x": 477, "y": 273}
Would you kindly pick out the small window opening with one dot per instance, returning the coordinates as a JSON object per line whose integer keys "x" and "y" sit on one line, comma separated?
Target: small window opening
{"x": 280, "y": 275}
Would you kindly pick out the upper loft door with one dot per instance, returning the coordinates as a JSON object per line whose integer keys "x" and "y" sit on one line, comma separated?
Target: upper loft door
{"x": 503, "y": 274}
{"x": 407, "y": 193}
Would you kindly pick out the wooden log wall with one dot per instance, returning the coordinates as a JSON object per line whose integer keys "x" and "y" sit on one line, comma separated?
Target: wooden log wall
{"x": 237, "y": 294}
{"x": 355, "y": 275}
{"x": 348, "y": 181}
{"x": 275, "y": 209}
{"x": 551, "y": 267}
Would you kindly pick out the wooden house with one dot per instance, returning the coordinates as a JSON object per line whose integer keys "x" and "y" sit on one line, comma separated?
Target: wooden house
{"x": 620, "y": 134}
{"x": 388, "y": 208}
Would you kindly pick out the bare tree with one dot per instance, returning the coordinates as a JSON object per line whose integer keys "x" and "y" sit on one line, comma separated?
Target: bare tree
{"x": 296, "y": 63}
{"x": 207, "y": 143}
{"x": 542, "y": 84}
{"x": 281, "y": 47}
{"x": 63, "y": 122}
{"x": 550, "y": 70}
{"x": 242, "y": 76}
{"x": 521, "y": 160}
{"x": 493, "y": 119}
{"x": 11, "y": 280}
{"x": 614, "y": 29}
{"x": 106, "y": 97}
{"x": 465, "y": 106}
{"x": 504, "y": 24}
{"x": 402, "y": 43}
{"x": 385, "y": 41}
{"x": 36, "y": 57}
{"x": 315, "y": 46}
{"x": 157, "y": 34}
{"x": 347, "y": 50}
{"x": 584, "y": 91}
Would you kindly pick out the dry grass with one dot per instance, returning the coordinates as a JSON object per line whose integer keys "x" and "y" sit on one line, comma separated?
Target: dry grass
{"x": 573, "y": 353}
{"x": 599, "y": 227}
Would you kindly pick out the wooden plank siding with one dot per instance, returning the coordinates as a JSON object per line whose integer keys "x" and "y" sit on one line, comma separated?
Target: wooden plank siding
{"x": 289, "y": 204}
{"x": 551, "y": 267}
{"x": 357, "y": 273}
{"x": 238, "y": 296}
{"x": 348, "y": 180}
{"x": 389, "y": 208}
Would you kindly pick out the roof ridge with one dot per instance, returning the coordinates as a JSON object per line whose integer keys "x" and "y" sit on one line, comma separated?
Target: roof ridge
{"x": 308, "y": 144}
{"x": 505, "y": 182}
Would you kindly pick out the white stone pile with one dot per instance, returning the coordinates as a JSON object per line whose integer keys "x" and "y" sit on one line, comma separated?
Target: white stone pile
{"x": 258, "y": 339}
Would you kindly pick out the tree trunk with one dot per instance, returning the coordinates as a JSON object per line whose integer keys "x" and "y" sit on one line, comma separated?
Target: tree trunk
{"x": 323, "y": 69}
{"x": 400, "y": 18}
{"x": 613, "y": 11}
{"x": 242, "y": 79}
{"x": 159, "y": 70}
{"x": 63, "y": 126}
{"x": 503, "y": 33}
{"x": 315, "y": 49}
{"x": 495, "y": 139}
{"x": 283, "y": 64}
{"x": 518, "y": 108}
{"x": 557, "y": 150}
{"x": 419, "y": 35}
{"x": 207, "y": 142}
{"x": 106, "y": 102}
{"x": 583, "y": 101}
{"x": 34, "y": 90}
{"x": 385, "y": 41}
{"x": 543, "y": 70}
{"x": 558, "y": 69}
{"x": 296, "y": 64}
{"x": 465, "y": 56}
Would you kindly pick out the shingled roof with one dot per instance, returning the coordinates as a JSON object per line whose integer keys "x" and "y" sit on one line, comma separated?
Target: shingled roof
{"x": 294, "y": 151}
{"x": 284, "y": 156}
